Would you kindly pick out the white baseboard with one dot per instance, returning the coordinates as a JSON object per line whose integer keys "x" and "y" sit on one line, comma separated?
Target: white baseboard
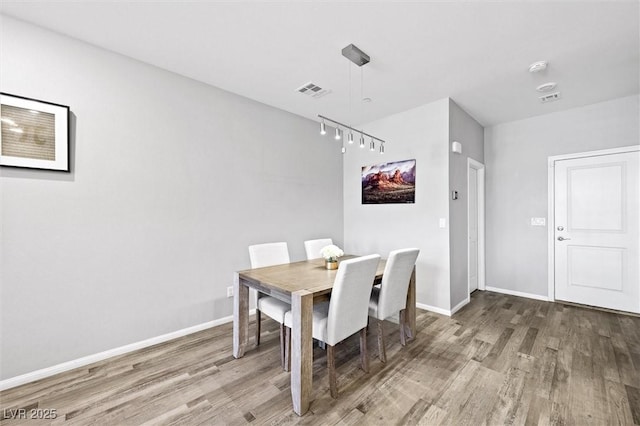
{"x": 517, "y": 293}
{"x": 460, "y": 305}
{"x": 90, "y": 359}
{"x": 468, "y": 299}
{"x": 434, "y": 309}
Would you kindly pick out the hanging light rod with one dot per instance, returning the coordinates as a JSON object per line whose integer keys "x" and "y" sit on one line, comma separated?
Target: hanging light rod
{"x": 358, "y": 57}
{"x": 349, "y": 127}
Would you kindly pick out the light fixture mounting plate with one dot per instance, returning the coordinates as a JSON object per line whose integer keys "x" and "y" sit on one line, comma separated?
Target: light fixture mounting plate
{"x": 538, "y": 66}
{"x": 547, "y": 87}
{"x": 355, "y": 55}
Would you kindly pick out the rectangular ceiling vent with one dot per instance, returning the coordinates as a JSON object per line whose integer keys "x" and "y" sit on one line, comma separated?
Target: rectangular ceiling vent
{"x": 312, "y": 90}
{"x": 550, "y": 97}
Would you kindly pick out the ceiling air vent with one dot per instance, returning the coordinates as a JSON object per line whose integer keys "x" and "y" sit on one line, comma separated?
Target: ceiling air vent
{"x": 312, "y": 90}
{"x": 550, "y": 97}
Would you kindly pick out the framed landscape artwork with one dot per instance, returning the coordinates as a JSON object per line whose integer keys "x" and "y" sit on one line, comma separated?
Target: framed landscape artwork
{"x": 388, "y": 183}
{"x": 33, "y": 134}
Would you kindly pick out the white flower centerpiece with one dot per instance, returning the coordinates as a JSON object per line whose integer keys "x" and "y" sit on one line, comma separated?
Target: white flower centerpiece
{"x": 331, "y": 253}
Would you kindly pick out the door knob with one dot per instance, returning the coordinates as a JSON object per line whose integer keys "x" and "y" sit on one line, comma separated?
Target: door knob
{"x": 563, "y": 238}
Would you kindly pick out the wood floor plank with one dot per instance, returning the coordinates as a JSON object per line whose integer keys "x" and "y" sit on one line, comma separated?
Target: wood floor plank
{"x": 529, "y": 340}
{"x": 434, "y": 416}
{"x": 538, "y": 412}
{"x": 619, "y": 404}
{"x": 544, "y": 373}
{"x": 560, "y": 383}
{"x": 628, "y": 373}
{"x": 509, "y": 397}
{"x": 633, "y": 396}
{"x": 500, "y": 360}
{"x": 498, "y": 347}
{"x": 607, "y": 358}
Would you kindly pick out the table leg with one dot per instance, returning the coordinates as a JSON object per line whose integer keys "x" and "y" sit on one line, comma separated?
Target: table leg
{"x": 240, "y": 316}
{"x": 301, "y": 350}
{"x": 410, "y": 313}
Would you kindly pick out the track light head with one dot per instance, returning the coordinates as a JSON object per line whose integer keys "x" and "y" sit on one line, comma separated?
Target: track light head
{"x": 338, "y": 136}
{"x": 323, "y": 128}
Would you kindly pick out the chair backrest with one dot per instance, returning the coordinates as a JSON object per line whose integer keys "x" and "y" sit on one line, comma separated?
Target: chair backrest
{"x": 395, "y": 281}
{"x": 313, "y": 247}
{"x": 268, "y": 254}
{"x": 349, "y": 304}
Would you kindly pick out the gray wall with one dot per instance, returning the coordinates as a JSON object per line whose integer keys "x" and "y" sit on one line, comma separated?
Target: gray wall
{"x": 171, "y": 181}
{"x": 466, "y": 130}
{"x": 421, "y": 133}
{"x": 516, "y": 183}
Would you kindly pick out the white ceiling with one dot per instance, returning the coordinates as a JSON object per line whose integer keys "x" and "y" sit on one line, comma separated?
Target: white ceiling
{"x": 476, "y": 53}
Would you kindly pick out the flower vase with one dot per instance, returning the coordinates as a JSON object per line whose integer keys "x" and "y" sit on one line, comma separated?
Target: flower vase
{"x": 331, "y": 264}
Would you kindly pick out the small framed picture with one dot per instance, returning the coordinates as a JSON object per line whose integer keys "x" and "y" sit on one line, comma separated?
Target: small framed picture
{"x": 34, "y": 134}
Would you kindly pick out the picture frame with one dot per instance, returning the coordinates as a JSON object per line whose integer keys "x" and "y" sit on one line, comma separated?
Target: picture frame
{"x": 34, "y": 134}
{"x": 389, "y": 183}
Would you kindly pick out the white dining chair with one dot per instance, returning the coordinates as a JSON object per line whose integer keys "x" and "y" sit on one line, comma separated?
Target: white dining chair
{"x": 313, "y": 247}
{"x": 262, "y": 255}
{"x": 391, "y": 296}
{"x": 345, "y": 313}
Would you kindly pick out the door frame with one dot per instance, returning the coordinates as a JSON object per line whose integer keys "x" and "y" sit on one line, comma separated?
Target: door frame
{"x": 551, "y": 203}
{"x": 479, "y": 167}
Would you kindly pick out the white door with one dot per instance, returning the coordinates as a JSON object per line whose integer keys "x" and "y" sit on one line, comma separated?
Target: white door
{"x": 596, "y": 231}
{"x": 473, "y": 229}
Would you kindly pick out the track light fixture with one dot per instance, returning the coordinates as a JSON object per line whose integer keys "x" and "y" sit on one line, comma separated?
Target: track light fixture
{"x": 340, "y": 125}
{"x": 358, "y": 57}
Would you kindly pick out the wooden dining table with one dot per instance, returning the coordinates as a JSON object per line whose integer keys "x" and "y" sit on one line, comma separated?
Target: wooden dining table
{"x": 301, "y": 284}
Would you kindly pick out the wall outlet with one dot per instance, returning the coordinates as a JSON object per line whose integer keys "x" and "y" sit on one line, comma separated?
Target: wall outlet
{"x": 442, "y": 223}
{"x": 229, "y": 291}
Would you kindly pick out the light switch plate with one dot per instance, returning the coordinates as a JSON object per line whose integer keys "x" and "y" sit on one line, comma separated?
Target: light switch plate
{"x": 538, "y": 221}
{"x": 443, "y": 222}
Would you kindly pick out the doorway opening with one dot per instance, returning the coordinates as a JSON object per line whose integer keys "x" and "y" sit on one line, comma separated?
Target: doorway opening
{"x": 475, "y": 228}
